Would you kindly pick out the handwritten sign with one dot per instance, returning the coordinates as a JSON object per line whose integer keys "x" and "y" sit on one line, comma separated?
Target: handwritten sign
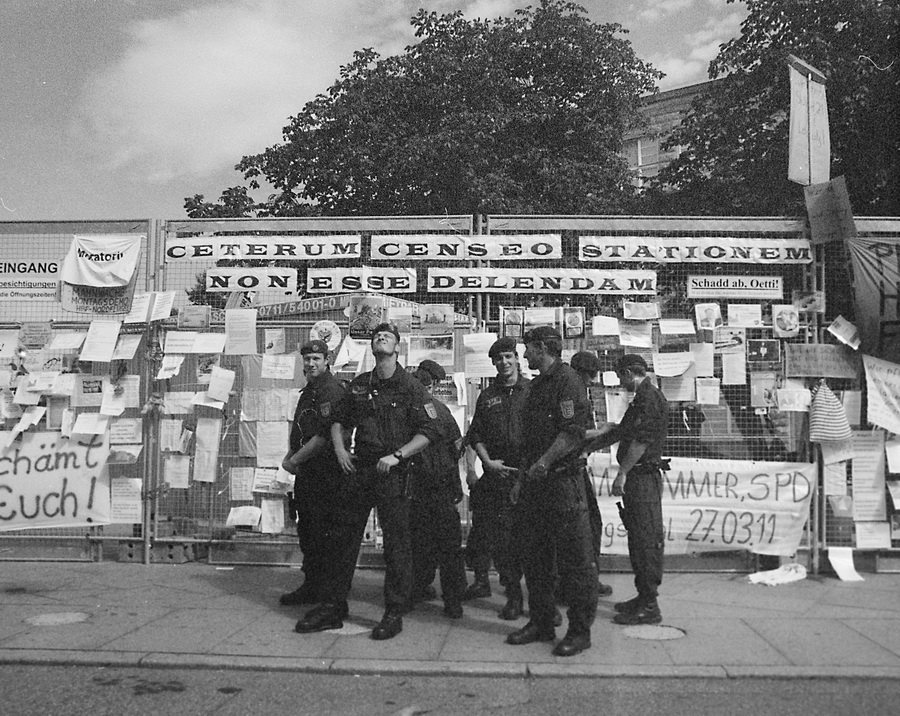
{"x": 811, "y": 360}
{"x": 718, "y": 505}
{"x": 49, "y": 481}
{"x": 830, "y": 214}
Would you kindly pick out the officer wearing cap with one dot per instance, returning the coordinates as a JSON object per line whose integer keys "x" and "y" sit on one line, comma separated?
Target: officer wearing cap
{"x": 641, "y": 436}
{"x": 435, "y": 490}
{"x": 587, "y": 365}
{"x": 394, "y": 418}
{"x": 311, "y": 459}
{"x": 553, "y": 503}
{"x": 496, "y": 436}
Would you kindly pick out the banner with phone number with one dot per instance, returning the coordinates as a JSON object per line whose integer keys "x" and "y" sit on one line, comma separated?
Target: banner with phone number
{"x": 718, "y": 505}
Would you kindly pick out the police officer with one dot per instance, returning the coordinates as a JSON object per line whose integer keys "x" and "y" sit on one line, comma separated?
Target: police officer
{"x": 641, "y": 436}
{"x": 553, "y": 503}
{"x": 496, "y": 436}
{"x": 587, "y": 365}
{"x": 435, "y": 490}
{"x": 311, "y": 459}
{"x": 394, "y": 418}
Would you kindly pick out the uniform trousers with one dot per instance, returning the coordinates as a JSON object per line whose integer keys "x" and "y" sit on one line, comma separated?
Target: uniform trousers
{"x": 316, "y": 514}
{"x": 387, "y": 494}
{"x": 554, "y": 529}
{"x": 492, "y": 537}
{"x": 437, "y": 544}
{"x": 642, "y": 503}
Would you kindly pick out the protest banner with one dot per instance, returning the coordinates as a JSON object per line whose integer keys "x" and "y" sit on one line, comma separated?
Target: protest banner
{"x": 446, "y": 247}
{"x": 883, "y": 393}
{"x": 50, "y": 481}
{"x": 572, "y": 281}
{"x": 718, "y": 505}
{"x": 684, "y": 249}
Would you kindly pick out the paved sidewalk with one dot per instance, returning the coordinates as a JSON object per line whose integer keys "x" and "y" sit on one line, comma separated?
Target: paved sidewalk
{"x": 199, "y": 615}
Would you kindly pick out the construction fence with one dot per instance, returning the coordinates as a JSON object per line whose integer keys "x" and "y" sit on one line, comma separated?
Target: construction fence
{"x": 731, "y": 312}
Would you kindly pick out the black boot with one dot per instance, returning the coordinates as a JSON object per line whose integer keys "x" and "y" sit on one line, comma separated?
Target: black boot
{"x": 479, "y": 589}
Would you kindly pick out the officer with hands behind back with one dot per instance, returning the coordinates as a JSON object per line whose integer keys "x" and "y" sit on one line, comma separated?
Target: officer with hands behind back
{"x": 318, "y": 476}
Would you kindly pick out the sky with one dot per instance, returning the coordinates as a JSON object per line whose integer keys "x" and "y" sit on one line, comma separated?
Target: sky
{"x": 119, "y": 109}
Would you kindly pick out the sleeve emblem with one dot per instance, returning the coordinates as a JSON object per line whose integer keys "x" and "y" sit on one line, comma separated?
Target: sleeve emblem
{"x": 431, "y": 410}
{"x": 325, "y": 409}
{"x": 567, "y": 408}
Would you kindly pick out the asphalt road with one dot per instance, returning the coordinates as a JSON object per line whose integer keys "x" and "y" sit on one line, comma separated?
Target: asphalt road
{"x": 74, "y": 690}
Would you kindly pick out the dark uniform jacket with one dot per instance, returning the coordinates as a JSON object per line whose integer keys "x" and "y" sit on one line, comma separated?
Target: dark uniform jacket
{"x": 646, "y": 421}
{"x": 498, "y": 421}
{"x": 556, "y": 402}
{"x": 314, "y": 414}
{"x": 435, "y": 470}
{"x": 387, "y": 413}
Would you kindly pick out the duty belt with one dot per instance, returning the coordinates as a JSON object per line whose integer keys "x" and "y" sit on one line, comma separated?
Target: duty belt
{"x": 661, "y": 465}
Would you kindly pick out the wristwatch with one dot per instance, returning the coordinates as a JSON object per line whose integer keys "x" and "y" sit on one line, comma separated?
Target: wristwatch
{"x": 398, "y": 455}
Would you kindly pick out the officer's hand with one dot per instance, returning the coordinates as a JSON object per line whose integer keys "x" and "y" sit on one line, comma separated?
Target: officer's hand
{"x": 385, "y": 464}
{"x": 618, "y": 486}
{"x": 471, "y": 477}
{"x": 514, "y": 492}
{"x": 494, "y": 465}
{"x": 345, "y": 460}
{"x": 538, "y": 471}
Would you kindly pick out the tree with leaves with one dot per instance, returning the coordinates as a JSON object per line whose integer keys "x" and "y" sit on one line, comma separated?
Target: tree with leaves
{"x": 734, "y": 140}
{"x": 521, "y": 114}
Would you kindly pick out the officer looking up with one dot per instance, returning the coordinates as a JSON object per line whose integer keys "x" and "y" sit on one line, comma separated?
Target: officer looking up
{"x": 318, "y": 476}
{"x": 435, "y": 490}
{"x": 394, "y": 418}
{"x": 554, "y": 516}
{"x": 496, "y": 436}
{"x": 641, "y": 436}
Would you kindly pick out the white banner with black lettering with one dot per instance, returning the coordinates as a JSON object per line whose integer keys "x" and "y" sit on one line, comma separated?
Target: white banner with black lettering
{"x": 48, "y": 481}
{"x": 305, "y": 248}
{"x": 718, "y": 505}
{"x": 548, "y": 280}
{"x": 102, "y": 260}
{"x": 270, "y": 278}
{"x": 363, "y": 278}
{"x": 694, "y": 250}
{"x": 447, "y": 247}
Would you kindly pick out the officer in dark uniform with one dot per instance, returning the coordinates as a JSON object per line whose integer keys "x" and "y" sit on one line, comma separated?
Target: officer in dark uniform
{"x": 554, "y": 516}
{"x": 311, "y": 459}
{"x": 435, "y": 490}
{"x": 641, "y": 436}
{"x": 587, "y": 365}
{"x": 394, "y": 418}
{"x": 496, "y": 436}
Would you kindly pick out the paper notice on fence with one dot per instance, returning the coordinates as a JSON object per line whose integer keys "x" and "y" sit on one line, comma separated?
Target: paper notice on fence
{"x": 708, "y": 390}
{"x": 113, "y": 402}
{"x": 873, "y": 535}
{"x": 272, "y": 520}
{"x": 845, "y": 332}
{"x": 66, "y": 341}
{"x": 91, "y": 424}
{"x": 126, "y": 347}
{"x": 677, "y": 327}
{"x": 278, "y": 367}
{"x": 640, "y": 310}
{"x": 125, "y": 431}
{"x": 271, "y": 443}
{"x": 892, "y": 452}
{"x": 681, "y": 387}
{"x": 477, "y": 363}
{"x": 126, "y": 504}
{"x": 179, "y": 342}
{"x": 206, "y": 454}
{"x": 30, "y": 417}
{"x": 220, "y": 384}
{"x": 734, "y": 369}
{"x": 836, "y": 451}
{"x": 745, "y": 315}
{"x": 243, "y": 516}
{"x": 883, "y": 384}
{"x": 202, "y": 398}
{"x": 835, "y": 479}
{"x": 841, "y": 559}
{"x": 265, "y": 479}
{"x": 240, "y": 484}
{"x": 274, "y": 340}
{"x": 672, "y": 364}
{"x": 177, "y": 471}
{"x": 703, "y": 358}
{"x": 162, "y": 305}
{"x": 170, "y": 367}
{"x": 178, "y": 403}
{"x": 209, "y": 343}
{"x": 637, "y": 334}
{"x": 605, "y": 326}
{"x": 240, "y": 331}
{"x": 140, "y": 308}
{"x": 100, "y": 342}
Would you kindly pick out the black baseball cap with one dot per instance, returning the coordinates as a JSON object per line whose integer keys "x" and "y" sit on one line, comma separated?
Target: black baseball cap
{"x": 435, "y": 370}
{"x": 386, "y": 328}
{"x": 541, "y": 333}
{"x": 631, "y": 360}
{"x": 585, "y": 362}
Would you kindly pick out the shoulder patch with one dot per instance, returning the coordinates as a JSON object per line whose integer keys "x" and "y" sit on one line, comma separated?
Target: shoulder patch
{"x": 493, "y": 401}
{"x": 567, "y": 408}
{"x": 359, "y": 389}
{"x": 325, "y": 409}
{"x": 431, "y": 410}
